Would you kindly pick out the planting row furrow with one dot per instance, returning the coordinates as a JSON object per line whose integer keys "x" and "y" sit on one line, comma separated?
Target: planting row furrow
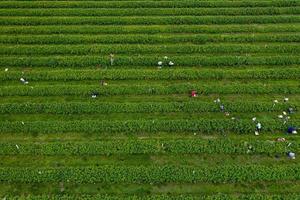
{"x": 148, "y": 61}
{"x": 145, "y": 74}
{"x": 162, "y": 20}
{"x": 151, "y": 11}
{"x": 147, "y": 107}
{"x": 149, "y": 39}
{"x": 152, "y": 174}
{"x": 180, "y": 88}
{"x": 150, "y": 29}
{"x": 145, "y": 4}
{"x": 147, "y": 49}
{"x": 151, "y": 146}
{"x": 144, "y": 126}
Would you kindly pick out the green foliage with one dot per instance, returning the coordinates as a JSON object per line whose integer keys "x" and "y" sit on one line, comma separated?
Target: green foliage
{"x": 85, "y": 61}
{"x": 153, "y": 74}
{"x": 176, "y": 20}
{"x": 155, "y": 89}
{"x": 147, "y": 49}
{"x": 150, "y": 146}
{"x": 139, "y": 126}
{"x": 146, "y": 4}
{"x": 149, "y": 38}
{"x": 254, "y": 196}
{"x": 151, "y": 29}
{"x": 143, "y": 107}
{"x": 151, "y": 11}
{"x": 152, "y": 174}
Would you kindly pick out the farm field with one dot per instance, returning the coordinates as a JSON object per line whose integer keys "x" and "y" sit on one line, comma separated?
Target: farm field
{"x": 149, "y": 99}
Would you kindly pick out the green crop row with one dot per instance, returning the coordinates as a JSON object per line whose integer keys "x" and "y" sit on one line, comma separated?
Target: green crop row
{"x": 148, "y": 39}
{"x": 147, "y": 49}
{"x": 151, "y": 11}
{"x": 147, "y": 61}
{"x": 166, "y": 74}
{"x": 176, "y": 20}
{"x": 180, "y": 88}
{"x": 150, "y": 146}
{"x": 143, "y": 107}
{"x": 145, "y": 4}
{"x": 150, "y": 29}
{"x": 140, "y": 126}
{"x": 254, "y": 196}
{"x": 152, "y": 174}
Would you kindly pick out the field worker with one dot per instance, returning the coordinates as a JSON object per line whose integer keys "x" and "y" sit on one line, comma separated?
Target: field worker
{"x": 217, "y": 100}
{"x": 194, "y": 93}
{"x": 291, "y": 155}
{"x": 275, "y": 102}
{"x": 94, "y": 94}
{"x": 280, "y": 140}
{"x": 258, "y": 128}
{"x": 103, "y": 83}
{"x": 222, "y": 108}
{"x": 286, "y": 99}
{"x": 160, "y": 64}
{"x": 292, "y": 130}
{"x": 111, "y": 59}
{"x": 23, "y": 81}
{"x": 171, "y": 64}
{"x": 290, "y": 110}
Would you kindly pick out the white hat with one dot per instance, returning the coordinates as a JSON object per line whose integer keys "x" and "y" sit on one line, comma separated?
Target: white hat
{"x": 286, "y": 99}
{"x": 254, "y": 119}
{"x": 280, "y": 116}
{"x": 284, "y": 112}
{"x": 275, "y": 101}
{"x": 160, "y": 63}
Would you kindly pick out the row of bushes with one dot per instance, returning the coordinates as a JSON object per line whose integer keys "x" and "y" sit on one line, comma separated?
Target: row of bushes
{"x": 147, "y": 49}
{"x": 89, "y": 29}
{"x": 152, "y": 20}
{"x": 152, "y": 11}
{"x": 152, "y": 174}
{"x": 145, "y": 4}
{"x": 253, "y": 196}
{"x": 166, "y": 74}
{"x": 149, "y": 39}
{"x": 180, "y": 88}
{"x": 143, "y": 107}
{"x": 150, "y": 146}
{"x": 148, "y": 61}
{"x": 140, "y": 126}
